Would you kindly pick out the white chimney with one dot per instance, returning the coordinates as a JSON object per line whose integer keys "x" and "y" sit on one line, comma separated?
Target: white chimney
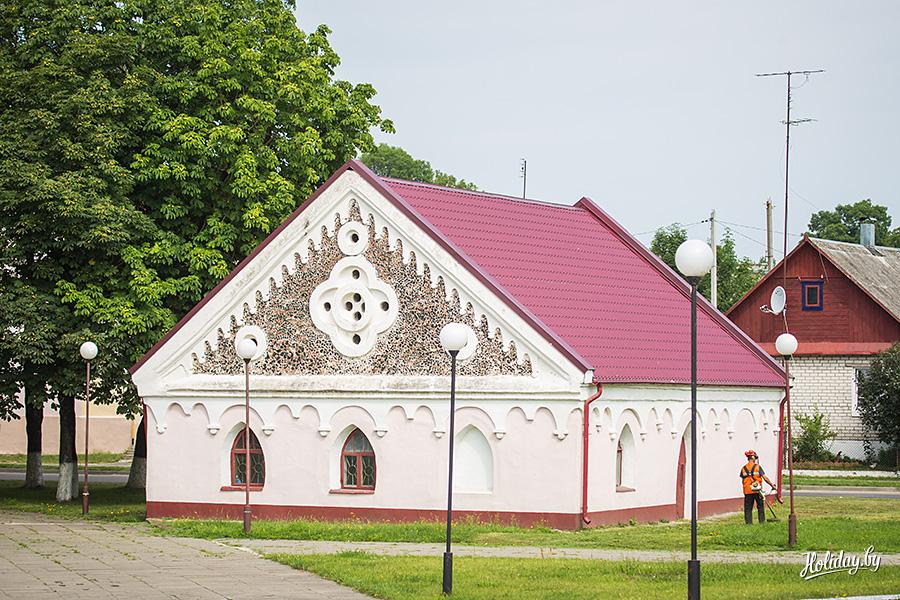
{"x": 867, "y": 234}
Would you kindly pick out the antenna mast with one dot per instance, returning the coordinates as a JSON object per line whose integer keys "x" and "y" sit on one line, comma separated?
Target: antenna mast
{"x": 787, "y": 153}
{"x": 523, "y": 173}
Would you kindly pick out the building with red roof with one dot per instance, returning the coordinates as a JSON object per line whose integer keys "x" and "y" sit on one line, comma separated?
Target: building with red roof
{"x": 573, "y": 391}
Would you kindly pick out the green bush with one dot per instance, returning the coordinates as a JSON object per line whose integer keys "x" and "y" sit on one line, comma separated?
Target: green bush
{"x": 815, "y": 434}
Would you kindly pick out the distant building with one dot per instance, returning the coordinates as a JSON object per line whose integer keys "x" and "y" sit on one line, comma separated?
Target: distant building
{"x": 350, "y": 397}
{"x": 843, "y": 304}
{"x": 110, "y": 432}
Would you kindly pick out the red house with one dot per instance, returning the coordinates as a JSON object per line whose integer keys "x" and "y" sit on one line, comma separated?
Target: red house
{"x": 843, "y": 304}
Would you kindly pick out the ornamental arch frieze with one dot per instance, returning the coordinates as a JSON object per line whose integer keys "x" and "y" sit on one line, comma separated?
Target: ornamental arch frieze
{"x": 359, "y": 304}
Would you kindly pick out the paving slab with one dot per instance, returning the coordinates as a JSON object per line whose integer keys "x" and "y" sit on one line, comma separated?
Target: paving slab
{"x": 42, "y": 557}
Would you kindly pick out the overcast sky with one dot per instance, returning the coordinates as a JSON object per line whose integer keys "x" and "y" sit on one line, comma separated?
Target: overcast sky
{"x": 650, "y": 108}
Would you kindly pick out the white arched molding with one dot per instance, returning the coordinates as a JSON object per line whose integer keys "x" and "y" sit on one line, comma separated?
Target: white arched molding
{"x": 474, "y": 468}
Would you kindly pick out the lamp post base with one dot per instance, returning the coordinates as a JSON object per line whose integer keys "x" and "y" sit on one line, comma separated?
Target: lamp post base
{"x": 792, "y": 530}
{"x": 448, "y": 573}
{"x": 85, "y": 502}
{"x": 693, "y": 580}
{"x": 247, "y": 518}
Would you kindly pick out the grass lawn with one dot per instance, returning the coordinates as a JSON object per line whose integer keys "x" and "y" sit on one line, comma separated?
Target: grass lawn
{"x": 51, "y": 461}
{"x": 851, "y": 524}
{"x": 851, "y": 481}
{"x": 414, "y": 578}
{"x": 109, "y": 502}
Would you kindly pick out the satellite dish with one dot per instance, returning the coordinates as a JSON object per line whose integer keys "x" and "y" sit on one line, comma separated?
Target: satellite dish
{"x": 777, "y": 300}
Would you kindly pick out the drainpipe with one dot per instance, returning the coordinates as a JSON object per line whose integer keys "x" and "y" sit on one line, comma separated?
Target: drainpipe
{"x": 780, "y": 443}
{"x": 586, "y": 419}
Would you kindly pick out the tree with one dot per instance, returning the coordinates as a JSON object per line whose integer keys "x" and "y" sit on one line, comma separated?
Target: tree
{"x": 842, "y": 223}
{"x": 878, "y": 392}
{"x": 735, "y": 275}
{"x": 146, "y": 146}
{"x": 391, "y": 161}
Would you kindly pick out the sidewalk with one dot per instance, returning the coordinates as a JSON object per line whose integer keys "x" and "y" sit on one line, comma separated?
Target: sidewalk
{"x": 263, "y": 547}
{"x": 42, "y": 557}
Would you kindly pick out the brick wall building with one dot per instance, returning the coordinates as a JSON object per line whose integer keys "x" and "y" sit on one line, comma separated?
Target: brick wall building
{"x": 843, "y": 305}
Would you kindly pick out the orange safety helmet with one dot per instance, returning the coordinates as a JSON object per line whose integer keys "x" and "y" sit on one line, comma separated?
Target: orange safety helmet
{"x": 751, "y": 452}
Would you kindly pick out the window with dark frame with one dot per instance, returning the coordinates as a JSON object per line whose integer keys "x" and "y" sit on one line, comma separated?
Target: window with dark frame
{"x": 812, "y": 295}
{"x": 239, "y": 460}
{"x": 357, "y": 463}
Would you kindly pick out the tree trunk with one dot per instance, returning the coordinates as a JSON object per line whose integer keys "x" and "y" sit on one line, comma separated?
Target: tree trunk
{"x": 137, "y": 477}
{"x": 34, "y": 468}
{"x": 67, "y": 487}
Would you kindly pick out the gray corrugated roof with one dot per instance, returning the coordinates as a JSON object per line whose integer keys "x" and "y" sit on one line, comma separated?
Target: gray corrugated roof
{"x": 876, "y": 270}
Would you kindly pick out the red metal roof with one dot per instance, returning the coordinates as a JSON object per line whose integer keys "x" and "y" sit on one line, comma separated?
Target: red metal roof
{"x": 593, "y": 285}
{"x": 591, "y": 289}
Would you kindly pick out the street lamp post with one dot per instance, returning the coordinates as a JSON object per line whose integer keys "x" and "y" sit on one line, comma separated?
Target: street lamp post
{"x": 454, "y": 337}
{"x": 786, "y": 345}
{"x": 88, "y": 351}
{"x": 246, "y": 350}
{"x": 694, "y": 258}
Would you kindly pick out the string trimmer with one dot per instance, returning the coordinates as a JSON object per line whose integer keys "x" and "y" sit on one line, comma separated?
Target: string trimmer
{"x": 771, "y": 510}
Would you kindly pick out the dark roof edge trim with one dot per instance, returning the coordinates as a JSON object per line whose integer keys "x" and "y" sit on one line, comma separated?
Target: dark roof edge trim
{"x": 680, "y": 284}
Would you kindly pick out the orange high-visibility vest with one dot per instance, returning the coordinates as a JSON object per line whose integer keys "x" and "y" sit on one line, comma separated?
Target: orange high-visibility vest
{"x": 750, "y": 475}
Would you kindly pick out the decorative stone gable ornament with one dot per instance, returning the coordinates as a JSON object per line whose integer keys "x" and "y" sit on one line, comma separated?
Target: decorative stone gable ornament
{"x": 353, "y": 305}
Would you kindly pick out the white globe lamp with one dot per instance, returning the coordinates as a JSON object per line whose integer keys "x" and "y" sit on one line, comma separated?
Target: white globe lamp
{"x": 88, "y": 351}
{"x": 246, "y": 348}
{"x": 694, "y": 258}
{"x": 786, "y": 344}
{"x": 454, "y": 337}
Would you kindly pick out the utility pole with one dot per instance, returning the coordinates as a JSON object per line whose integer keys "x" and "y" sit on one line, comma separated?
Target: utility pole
{"x": 523, "y": 170}
{"x": 770, "y": 245}
{"x": 714, "y": 272}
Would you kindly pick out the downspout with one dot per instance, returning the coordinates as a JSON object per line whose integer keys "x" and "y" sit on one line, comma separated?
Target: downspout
{"x": 780, "y": 443}
{"x": 584, "y": 453}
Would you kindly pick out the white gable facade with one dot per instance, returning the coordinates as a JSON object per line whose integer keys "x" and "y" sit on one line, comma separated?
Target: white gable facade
{"x": 346, "y": 301}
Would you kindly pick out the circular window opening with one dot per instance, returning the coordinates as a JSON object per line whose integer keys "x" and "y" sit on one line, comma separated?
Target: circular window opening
{"x": 357, "y": 297}
{"x": 355, "y": 273}
{"x": 357, "y": 315}
{"x": 356, "y": 339}
{"x": 363, "y": 307}
{"x": 354, "y": 237}
{"x": 348, "y": 306}
{"x": 328, "y": 306}
{"x": 385, "y": 306}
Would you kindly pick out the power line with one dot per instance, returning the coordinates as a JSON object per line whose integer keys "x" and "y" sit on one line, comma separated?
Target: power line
{"x": 757, "y": 228}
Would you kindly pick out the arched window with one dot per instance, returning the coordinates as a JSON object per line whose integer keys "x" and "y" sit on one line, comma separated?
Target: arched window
{"x": 239, "y": 458}
{"x": 619, "y": 464}
{"x": 625, "y": 461}
{"x": 357, "y": 463}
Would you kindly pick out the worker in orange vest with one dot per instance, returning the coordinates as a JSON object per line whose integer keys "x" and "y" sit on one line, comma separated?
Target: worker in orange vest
{"x": 752, "y": 476}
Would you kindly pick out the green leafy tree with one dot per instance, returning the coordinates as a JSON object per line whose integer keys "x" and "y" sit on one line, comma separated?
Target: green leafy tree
{"x": 392, "y": 161}
{"x": 842, "y": 223}
{"x": 736, "y": 275}
{"x": 811, "y": 443}
{"x": 879, "y": 398}
{"x": 146, "y": 146}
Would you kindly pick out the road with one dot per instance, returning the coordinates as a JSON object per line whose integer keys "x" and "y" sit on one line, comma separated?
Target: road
{"x": 53, "y": 476}
{"x": 806, "y": 490}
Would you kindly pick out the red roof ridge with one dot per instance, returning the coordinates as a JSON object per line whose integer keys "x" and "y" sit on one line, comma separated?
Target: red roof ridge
{"x": 479, "y": 193}
{"x": 676, "y": 280}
